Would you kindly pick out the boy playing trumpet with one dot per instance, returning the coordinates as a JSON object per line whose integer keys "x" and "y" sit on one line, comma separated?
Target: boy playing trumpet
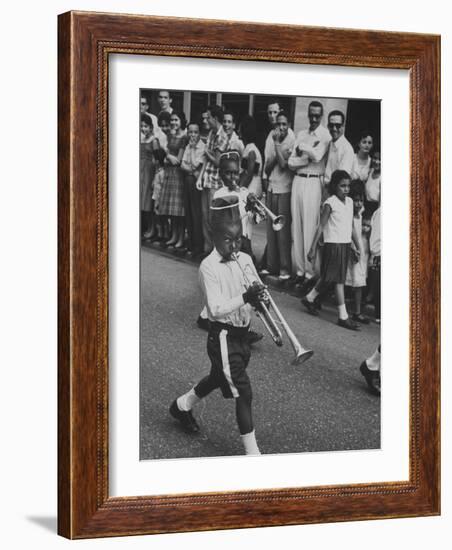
{"x": 229, "y": 299}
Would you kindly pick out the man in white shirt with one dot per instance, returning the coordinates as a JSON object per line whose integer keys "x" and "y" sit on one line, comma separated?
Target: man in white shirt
{"x": 340, "y": 152}
{"x": 307, "y": 160}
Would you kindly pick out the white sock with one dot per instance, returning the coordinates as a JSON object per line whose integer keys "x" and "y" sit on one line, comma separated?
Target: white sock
{"x": 203, "y": 313}
{"x": 250, "y": 444}
{"x": 373, "y": 362}
{"x": 342, "y": 312}
{"x": 188, "y": 400}
{"x": 312, "y": 295}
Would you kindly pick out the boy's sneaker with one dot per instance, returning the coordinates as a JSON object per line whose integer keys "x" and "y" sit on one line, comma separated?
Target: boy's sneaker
{"x": 186, "y": 418}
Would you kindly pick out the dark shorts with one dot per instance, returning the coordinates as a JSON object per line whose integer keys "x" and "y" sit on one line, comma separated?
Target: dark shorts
{"x": 229, "y": 353}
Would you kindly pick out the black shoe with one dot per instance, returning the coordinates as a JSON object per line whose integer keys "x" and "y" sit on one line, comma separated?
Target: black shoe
{"x": 203, "y": 324}
{"x": 348, "y": 323}
{"x": 310, "y": 306}
{"x": 372, "y": 378}
{"x": 185, "y": 418}
{"x": 360, "y": 318}
{"x": 254, "y": 337}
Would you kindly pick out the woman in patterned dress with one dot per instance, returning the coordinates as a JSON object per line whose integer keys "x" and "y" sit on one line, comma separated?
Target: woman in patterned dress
{"x": 148, "y": 147}
{"x": 171, "y": 201}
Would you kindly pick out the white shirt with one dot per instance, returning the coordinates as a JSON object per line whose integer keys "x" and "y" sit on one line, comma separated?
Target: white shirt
{"x": 338, "y": 228}
{"x": 373, "y": 188}
{"x": 312, "y": 160}
{"x": 340, "y": 157}
{"x": 223, "y": 285}
{"x": 360, "y": 171}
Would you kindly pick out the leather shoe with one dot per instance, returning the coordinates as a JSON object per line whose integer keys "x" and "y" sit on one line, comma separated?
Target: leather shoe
{"x": 348, "y": 323}
{"x": 186, "y": 418}
{"x": 310, "y": 306}
{"x": 360, "y": 318}
{"x": 372, "y": 378}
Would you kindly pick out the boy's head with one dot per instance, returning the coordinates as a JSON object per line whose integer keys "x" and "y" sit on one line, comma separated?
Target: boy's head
{"x": 357, "y": 195}
{"x": 146, "y": 125}
{"x": 164, "y": 122}
{"x": 193, "y": 132}
{"x": 282, "y": 123}
{"x": 365, "y": 223}
{"x": 226, "y": 225}
{"x": 229, "y": 168}
{"x": 228, "y": 122}
{"x": 376, "y": 160}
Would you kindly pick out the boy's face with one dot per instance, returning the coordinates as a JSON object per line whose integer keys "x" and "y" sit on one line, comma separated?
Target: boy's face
{"x": 376, "y": 161}
{"x": 228, "y": 239}
{"x": 205, "y": 120}
{"x": 357, "y": 204}
{"x": 165, "y": 127}
{"x": 272, "y": 112}
{"x": 282, "y": 125}
{"x": 146, "y": 129}
{"x": 228, "y": 124}
{"x": 229, "y": 173}
{"x": 193, "y": 133}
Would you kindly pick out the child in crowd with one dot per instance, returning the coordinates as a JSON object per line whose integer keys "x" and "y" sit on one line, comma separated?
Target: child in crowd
{"x": 229, "y": 296}
{"x": 362, "y": 159}
{"x": 357, "y": 268}
{"x": 234, "y": 142}
{"x": 375, "y": 263}
{"x": 149, "y": 158}
{"x": 373, "y": 184}
{"x": 336, "y": 225}
{"x": 251, "y": 175}
{"x": 191, "y": 164}
{"x": 279, "y": 243}
{"x": 171, "y": 202}
{"x": 161, "y": 222}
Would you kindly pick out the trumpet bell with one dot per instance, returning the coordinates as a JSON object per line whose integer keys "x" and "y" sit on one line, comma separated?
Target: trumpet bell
{"x": 278, "y": 222}
{"x": 301, "y": 356}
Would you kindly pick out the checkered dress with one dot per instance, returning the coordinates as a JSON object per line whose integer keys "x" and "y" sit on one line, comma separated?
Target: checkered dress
{"x": 171, "y": 201}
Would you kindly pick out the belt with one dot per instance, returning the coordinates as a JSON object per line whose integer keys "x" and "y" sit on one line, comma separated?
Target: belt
{"x": 216, "y": 326}
{"x": 309, "y": 175}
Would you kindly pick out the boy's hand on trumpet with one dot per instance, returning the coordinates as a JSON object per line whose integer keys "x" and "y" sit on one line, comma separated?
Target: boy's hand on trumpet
{"x": 254, "y": 294}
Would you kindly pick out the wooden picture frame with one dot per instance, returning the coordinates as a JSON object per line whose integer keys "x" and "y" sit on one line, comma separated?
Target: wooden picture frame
{"x": 85, "y": 42}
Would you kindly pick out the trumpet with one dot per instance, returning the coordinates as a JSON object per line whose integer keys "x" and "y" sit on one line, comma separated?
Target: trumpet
{"x": 260, "y": 208}
{"x": 271, "y": 324}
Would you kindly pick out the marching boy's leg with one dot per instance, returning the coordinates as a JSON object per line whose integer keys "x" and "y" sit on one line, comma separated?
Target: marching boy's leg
{"x": 245, "y": 424}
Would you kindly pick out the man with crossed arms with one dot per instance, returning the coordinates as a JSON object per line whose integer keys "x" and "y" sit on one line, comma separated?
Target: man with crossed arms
{"x": 308, "y": 160}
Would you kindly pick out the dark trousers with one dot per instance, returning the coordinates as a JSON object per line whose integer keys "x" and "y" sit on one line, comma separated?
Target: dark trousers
{"x": 279, "y": 243}
{"x": 193, "y": 215}
{"x": 375, "y": 285}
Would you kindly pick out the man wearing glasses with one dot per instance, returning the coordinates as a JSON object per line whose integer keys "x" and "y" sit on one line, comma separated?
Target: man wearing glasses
{"x": 307, "y": 160}
{"x": 340, "y": 153}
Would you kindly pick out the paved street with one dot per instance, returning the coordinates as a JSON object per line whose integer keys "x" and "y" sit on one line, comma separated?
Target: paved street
{"x": 322, "y": 405}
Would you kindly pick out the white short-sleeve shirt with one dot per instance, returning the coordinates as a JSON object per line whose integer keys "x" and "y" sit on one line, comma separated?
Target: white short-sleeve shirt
{"x": 338, "y": 228}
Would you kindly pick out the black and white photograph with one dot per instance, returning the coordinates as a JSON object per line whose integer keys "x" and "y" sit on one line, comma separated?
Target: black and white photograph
{"x": 260, "y": 273}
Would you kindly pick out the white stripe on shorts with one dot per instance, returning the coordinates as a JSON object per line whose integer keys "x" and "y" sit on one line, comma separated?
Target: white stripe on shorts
{"x": 225, "y": 361}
